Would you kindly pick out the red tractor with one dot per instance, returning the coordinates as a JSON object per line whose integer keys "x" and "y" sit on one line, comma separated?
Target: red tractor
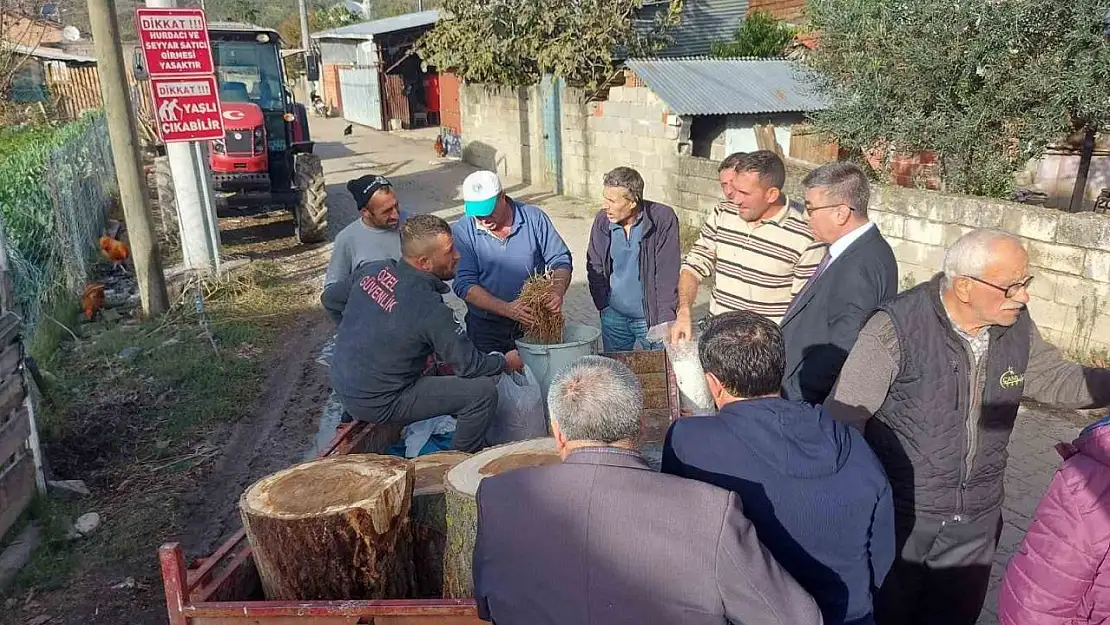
{"x": 265, "y": 157}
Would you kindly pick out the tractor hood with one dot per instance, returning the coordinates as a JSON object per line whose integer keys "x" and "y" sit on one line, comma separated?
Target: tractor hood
{"x": 241, "y": 115}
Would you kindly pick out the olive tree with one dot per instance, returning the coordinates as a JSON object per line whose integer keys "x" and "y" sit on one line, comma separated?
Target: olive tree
{"x": 514, "y": 42}
{"x": 985, "y": 85}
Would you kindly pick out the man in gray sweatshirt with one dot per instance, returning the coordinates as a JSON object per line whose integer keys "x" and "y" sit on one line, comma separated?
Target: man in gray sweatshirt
{"x": 375, "y": 235}
{"x": 391, "y": 317}
{"x": 935, "y": 381}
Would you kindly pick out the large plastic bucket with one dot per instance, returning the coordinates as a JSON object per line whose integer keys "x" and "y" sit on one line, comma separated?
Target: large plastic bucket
{"x": 546, "y": 360}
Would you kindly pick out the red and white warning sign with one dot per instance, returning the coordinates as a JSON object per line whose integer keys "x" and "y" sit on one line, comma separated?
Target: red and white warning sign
{"x": 175, "y": 41}
{"x": 187, "y": 109}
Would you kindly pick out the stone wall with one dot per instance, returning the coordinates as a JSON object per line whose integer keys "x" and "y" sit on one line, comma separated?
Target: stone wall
{"x": 1068, "y": 254}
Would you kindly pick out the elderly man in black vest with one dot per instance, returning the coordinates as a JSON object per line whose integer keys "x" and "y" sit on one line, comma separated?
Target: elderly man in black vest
{"x": 935, "y": 381}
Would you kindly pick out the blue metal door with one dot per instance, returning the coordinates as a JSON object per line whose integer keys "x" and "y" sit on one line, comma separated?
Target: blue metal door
{"x": 551, "y": 97}
{"x": 361, "y": 95}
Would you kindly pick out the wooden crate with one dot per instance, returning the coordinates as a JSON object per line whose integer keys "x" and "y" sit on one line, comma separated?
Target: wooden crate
{"x": 661, "y": 405}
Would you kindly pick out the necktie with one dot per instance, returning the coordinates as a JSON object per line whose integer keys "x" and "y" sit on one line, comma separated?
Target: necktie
{"x": 809, "y": 283}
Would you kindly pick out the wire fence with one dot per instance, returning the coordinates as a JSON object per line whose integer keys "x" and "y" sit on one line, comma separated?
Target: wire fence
{"x": 55, "y": 187}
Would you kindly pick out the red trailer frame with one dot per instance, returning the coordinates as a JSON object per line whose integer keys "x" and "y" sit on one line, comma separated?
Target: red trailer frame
{"x": 212, "y": 590}
{"x": 224, "y": 588}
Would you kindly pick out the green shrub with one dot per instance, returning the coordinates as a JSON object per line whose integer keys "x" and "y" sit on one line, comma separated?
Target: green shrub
{"x": 760, "y": 35}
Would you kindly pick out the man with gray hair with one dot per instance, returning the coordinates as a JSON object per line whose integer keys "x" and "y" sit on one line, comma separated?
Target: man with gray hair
{"x": 858, "y": 273}
{"x": 601, "y": 538}
{"x": 632, "y": 262}
{"x": 935, "y": 381}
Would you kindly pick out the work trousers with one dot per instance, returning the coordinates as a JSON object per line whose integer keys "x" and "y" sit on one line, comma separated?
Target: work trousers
{"x": 472, "y": 401}
{"x": 942, "y": 571}
{"x": 493, "y": 335}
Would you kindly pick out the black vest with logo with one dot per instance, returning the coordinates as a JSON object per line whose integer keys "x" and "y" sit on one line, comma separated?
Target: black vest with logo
{"x": 942, "y": 461}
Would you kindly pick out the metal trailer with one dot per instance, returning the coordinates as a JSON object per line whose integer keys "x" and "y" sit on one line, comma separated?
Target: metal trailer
{"x": 224, "y": 588}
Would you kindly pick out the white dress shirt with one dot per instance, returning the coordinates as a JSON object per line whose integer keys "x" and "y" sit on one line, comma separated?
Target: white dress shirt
{"x": 837, "y": 247}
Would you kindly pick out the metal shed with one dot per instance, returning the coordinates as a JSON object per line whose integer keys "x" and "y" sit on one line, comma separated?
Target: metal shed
{"x": 728, "y": 102}
{"x": 371, "y": 75}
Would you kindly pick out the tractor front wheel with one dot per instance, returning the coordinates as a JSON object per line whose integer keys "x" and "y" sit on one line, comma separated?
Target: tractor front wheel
{"x": 311, "y": 211}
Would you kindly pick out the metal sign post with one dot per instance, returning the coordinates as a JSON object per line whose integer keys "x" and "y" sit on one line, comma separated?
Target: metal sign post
{"x": 185, "y": 94}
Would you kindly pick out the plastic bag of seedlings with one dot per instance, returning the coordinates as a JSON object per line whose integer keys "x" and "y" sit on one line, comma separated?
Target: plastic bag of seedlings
{"x": 520, "y": 414}
{"x": 693, "y": 391}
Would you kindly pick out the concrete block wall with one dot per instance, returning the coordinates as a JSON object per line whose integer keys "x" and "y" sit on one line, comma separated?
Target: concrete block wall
{"x": 502, "y": 130}
{"x": 1069, "y": 255}
{"x": 633, "y": 129}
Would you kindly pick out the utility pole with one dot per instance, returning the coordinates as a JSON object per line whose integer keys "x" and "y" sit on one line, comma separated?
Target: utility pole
{"x": 306, "y": 45}
{"x": 196, "y": 203}
{"x": 125, "y": 151}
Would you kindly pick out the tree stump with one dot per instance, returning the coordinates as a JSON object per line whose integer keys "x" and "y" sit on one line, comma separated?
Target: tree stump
{"x": 429, "y": 520}
{"x": 334, "y": 528}
{"x": 460, "y": 490}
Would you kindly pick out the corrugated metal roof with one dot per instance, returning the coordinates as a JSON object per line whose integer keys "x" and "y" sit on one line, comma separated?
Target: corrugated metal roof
{"x": 704, "y": 86}
{"x": 49, "y": 54}
{"x": 367, "y": 30}
{"x": 703, "y": 22}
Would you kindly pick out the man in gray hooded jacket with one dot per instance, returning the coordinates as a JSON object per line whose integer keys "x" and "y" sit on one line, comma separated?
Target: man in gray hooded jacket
{"x": 935, "y": 382}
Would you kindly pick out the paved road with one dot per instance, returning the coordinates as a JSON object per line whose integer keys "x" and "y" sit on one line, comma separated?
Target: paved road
{"x": 427, "y": 184}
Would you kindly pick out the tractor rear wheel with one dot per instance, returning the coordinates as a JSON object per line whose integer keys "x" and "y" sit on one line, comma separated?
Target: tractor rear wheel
{"x": 311, "y": 211}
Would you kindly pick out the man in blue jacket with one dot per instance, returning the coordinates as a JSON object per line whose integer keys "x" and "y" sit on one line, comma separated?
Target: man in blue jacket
{"x": 501, "y": 243}
{"x": 632, "y": 262}
{"x": 815, "y": 492}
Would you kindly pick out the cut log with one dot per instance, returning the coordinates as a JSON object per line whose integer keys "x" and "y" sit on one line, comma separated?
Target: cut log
{"x": 460, "y": 490}
{"x": 334, "y": 528}
{"x": 429, "y": 520}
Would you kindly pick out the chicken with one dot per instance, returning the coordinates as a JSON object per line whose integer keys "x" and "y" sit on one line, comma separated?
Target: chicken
{"x": 440, "y": 148}
{"x": 115, "y": 251}
{"x": 348, "y": 130}
{"x": 92, "y": 300}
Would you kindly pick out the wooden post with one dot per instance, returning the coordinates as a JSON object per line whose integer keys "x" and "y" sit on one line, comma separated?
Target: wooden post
{"x": 1079, "y": 192}
{"x": 125, "y": 152}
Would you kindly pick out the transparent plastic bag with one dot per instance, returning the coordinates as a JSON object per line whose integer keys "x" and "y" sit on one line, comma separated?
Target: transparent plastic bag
{"x": 693, "y": 392}
{"x": 520, "y": 415}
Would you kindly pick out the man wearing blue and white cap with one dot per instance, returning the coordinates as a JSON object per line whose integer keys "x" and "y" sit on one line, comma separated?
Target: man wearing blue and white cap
{"x": 501, "y": 242}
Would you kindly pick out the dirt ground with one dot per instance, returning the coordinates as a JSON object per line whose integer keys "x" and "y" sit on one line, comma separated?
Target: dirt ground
{"x": 199, "y": 502}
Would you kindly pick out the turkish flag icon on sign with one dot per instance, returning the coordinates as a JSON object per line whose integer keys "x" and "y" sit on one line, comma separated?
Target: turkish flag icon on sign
{"x": 187, "y": 108}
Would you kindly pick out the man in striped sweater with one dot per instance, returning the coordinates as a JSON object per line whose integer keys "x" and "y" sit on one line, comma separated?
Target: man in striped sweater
{"x": 757, "y": 241}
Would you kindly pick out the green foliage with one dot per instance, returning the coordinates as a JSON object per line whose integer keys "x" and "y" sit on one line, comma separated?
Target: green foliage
{"x": 318, "y": 20}
{"x": 985, "y": 85}
{"x": 53, "y": 189}
{"x": 760, "y": 35}
{"x": 514, "y": 42}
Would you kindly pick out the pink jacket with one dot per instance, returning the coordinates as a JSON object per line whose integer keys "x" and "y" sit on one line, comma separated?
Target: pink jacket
{"x": 1061, "y": 573}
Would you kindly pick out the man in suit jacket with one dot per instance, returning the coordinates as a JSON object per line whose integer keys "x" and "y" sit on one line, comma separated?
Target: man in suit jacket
{"x": 603, "y": 539}
{"x": 857, "y": 275}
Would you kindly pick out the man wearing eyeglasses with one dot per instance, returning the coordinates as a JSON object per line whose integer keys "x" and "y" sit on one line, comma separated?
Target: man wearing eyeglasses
{"x": 858, "y": 274}
{"x": 935, "y": 381}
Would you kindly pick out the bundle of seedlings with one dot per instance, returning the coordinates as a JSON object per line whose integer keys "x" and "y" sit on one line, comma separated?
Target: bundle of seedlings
{"x": 547, "y": 326}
